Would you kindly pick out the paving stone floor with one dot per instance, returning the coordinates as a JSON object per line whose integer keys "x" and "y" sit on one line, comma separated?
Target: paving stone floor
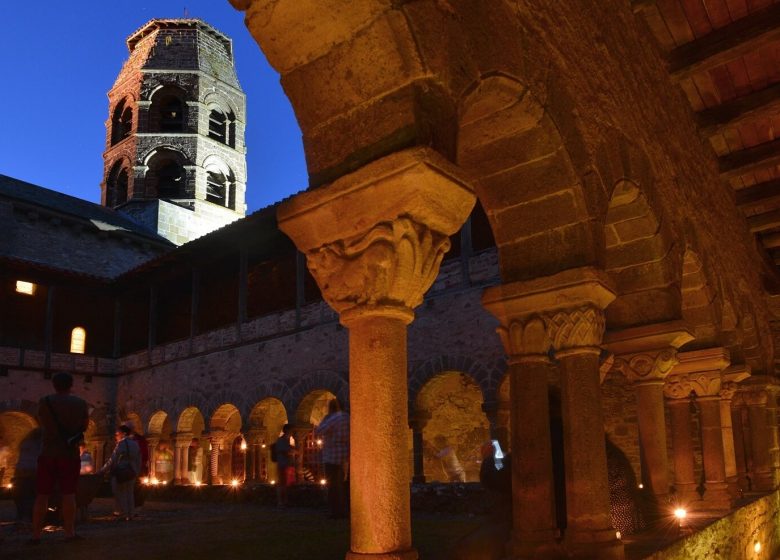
{"x": 224, "y": 531}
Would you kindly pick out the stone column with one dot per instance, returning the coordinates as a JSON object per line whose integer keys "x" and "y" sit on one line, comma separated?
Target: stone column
{"x": 682, "y": 448}
{"x": 216, "y": 441}
{"x": 646, "y": 355}
{"x": 731, "y": 376}
{"x": 527, "y": 343}
{"x": 153, "y": 442}
{"x": 374, "y": 240}
{"x": 100, "y": 442}
{"x": 182, "y": 443}
{"x": 417, "y": 424}
{"x": 759, "y": 396}
{"x": 699, "y": 371}
{"x": 740, "y": 451}
{"x": 299, "y": 433}
{"x": 563, "y": 312}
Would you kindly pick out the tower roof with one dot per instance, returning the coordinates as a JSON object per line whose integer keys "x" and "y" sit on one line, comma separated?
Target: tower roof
{"x": 189, "y": 23}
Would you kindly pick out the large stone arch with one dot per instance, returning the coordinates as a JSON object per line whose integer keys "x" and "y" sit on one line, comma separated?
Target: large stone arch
{"x": 487, "y": 377}
{"x": 329, "y": 380}
{"x": 699, "y": 302}
{"x": 267, "y": 389}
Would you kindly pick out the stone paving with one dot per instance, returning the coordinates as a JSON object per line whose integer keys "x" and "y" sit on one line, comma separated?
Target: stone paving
{"x": 192, "y": 531}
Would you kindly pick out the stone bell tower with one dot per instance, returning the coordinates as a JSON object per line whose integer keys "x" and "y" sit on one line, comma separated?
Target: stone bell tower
{"x": 175, "y": 153}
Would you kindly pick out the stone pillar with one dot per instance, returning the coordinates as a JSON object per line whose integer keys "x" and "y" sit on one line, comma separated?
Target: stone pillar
{"x": 563, "y": 312}
{"x": 153, "y": 442}
{"x": 417, "y": 424}
{"x": 759, "y": 396}
{"x": 740, "y": 452}
{"x": 374, "y": 240}
{"x": 645, "y": 356}
{"x": 299, "y": 433}
{"x": 182, "y": 443}
{"x": 100, "y": 442}
{"x": 682, "y": 449}
{"x": 699, "y": 371}
{"x": 527, "y": 343}
{"x": 731, "y": 376}
{"x": 216, "y": 441}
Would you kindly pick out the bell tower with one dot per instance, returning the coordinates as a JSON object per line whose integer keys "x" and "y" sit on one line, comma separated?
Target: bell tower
{"x": 175, "y": 153}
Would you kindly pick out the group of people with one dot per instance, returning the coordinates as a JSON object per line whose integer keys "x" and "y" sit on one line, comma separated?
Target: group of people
{"x": 334, "y": 433}
{"x": 63, "y": 457}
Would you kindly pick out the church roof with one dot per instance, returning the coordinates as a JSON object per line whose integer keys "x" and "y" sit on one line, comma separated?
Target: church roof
{"x": 100, "y": 218}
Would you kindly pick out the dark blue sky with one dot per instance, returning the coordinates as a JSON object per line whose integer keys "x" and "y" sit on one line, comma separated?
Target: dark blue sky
{"x": 58, "y": 61}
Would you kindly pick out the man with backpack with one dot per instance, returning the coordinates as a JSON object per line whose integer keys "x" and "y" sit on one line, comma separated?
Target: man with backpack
{"x": 63, "y": 418}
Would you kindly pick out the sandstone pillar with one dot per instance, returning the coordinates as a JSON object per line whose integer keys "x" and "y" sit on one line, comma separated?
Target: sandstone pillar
{"x": 759, "y": 396}
{"x": 216, "y": 441}
{"x": 417, "y": 424}
{"x": 374, "y": 240}
{"x": 699, "y": 371}
{"x": 740, "y": 451}
{"x": 682, "y": 450}
{"x": 731, "y": 377}
{"x": 153, "y": 442}
{"x": 563, "y": 312}
{"x": 646, "y": 355}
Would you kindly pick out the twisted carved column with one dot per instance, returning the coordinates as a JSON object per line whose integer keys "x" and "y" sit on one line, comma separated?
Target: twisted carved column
{"x": 564, "y": 313}
{"x": 645, "y": 356}
{"x": 374, "y": 240}
{"x": 216, "y": 439}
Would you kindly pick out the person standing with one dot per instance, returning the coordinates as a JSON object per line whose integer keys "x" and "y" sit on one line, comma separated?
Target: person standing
{"x": 283, "y": 453}
{"x": 334, "y": 431}
{"x": 126, "y": 455}
{"x": 139, "y": 492}
{"x": 63, "y": 418}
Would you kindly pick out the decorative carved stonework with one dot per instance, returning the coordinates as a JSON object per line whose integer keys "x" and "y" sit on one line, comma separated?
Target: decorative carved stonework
{"x": 525, "y": 337}
{"x": 647, "y": 365}
{"x": 755, "y": 397}
{"x": 728, "y": 390}
{"x": 392, "y": 265}
{"x": 576, "y": 328}
{"x": 704, "y": 384}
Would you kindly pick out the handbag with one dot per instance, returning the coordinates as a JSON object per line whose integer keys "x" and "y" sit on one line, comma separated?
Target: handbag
{"x": 123, "y": 472}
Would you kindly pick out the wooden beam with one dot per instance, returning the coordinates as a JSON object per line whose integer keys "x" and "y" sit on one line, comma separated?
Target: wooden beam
{"x": 750, "y": 160}
{"x": 759, "y": 195}
{"x": 763, "y": 103}
{"x": 771, "y": 240}
{"x": 642, "y": 5}
{"x": 725, "y": 44}
{"x": 764, "y": 222}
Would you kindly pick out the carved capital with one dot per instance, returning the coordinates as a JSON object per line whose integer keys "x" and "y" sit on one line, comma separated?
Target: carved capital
{"x": 647, "y": 366}
{"x": 703, "y": 383}
{"x": 391, "y": 265}
{"x": 576, "y": 328}
{"x": 727, "y": 390}
{"x": 525, "y": 337}
{"x": 755, "y": 397}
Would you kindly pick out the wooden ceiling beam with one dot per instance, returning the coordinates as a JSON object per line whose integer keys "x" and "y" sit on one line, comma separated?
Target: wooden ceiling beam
{"x": 759, "y": 195}
{"x": 750, "y": 160}
{"x": 725, "y": 44}
{"x": 764, "y": 222}
{"x": 762, "y": 103}
{"x": 771, "y": 240}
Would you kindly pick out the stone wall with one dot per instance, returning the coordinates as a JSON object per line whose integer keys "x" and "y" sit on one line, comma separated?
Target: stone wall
{"x": 734, "y": 536}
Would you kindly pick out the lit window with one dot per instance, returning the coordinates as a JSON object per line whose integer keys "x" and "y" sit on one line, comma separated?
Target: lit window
{"x": 78, "y": 340}
{"x": 25, "y": 287}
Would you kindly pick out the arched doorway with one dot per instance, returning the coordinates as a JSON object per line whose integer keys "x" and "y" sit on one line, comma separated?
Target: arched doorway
{"x": 265, "y": 426}
{"x": 225, "y": 429}
{"x": 15, "y": 431}
{"x": 195, "y": 447}
{"x": 311, "y": 411}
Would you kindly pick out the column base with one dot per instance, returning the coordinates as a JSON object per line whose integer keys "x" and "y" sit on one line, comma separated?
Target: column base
{"x": 716, "y": 498}
{"x": 764, "y": 482}
{"x": 398, "y": 555}
{"x": 536, "y": 544}
{"x": 684, "y": 495}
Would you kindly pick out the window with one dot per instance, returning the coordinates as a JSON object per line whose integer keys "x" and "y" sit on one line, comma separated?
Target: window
{"x": 218, "y": 125}
{"x": 220, "y": 184}
{"x": 117, "y": 185}
{"x": 170, "y": 180}
{"x": 121, "y": 122}
{"x": 27, "y": 288}
{"x": 171, "y": 115}
{"x": 78, "y": 340}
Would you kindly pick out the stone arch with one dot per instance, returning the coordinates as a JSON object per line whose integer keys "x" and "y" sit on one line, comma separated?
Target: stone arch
{"x": 159, "y": 425}
{"x": 121, "y": 120}
{"x": 265, "y": 422}
{"x": 641, "y": 258}
{"x": 166, "y": 175}
{"x": 699, "y": 302}
{"x": 313, "y": 407}
{"x": 539, "y": 206}
{"x": 220, "y": 182}
{"x": 455, "y": 429}
{"x": 225, "y": 417}
{"x": 30, "y": 408}
{"x": 272, "y": 389}
{"x": 191, "y": 421}
{"x": 118, "y": 182}
{"x": 225, "y": 421}
{"x": 327, "y": 380}
{"x": 16, "y": 428}
{"x": 488, "y": 378}
{"x": 221, "y": 118}
{"x": 134, "y": 418}
{"x": 168, "y": 109}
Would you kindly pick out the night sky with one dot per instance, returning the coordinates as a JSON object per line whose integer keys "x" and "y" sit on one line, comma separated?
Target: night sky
{"x": 57, "y": 62}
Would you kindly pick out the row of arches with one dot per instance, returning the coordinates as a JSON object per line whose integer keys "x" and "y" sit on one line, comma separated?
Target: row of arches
{"x": 169, "y": 113}
{"x": 167, "y": 176}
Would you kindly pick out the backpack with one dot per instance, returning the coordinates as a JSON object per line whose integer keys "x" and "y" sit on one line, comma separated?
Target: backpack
{"x": 273, "y": 453}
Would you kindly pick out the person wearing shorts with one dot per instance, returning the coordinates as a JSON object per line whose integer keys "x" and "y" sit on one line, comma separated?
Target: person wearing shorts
{"x": 61, "y": 415}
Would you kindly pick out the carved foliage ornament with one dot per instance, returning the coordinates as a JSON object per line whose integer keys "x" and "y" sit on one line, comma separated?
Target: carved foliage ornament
{"x": 646, "y": 366}
{"x": 576, "y": 328}
{"x": 522, "y": 338}
{"x": 393, "y": 264}
{"x": 704, "y": 384}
